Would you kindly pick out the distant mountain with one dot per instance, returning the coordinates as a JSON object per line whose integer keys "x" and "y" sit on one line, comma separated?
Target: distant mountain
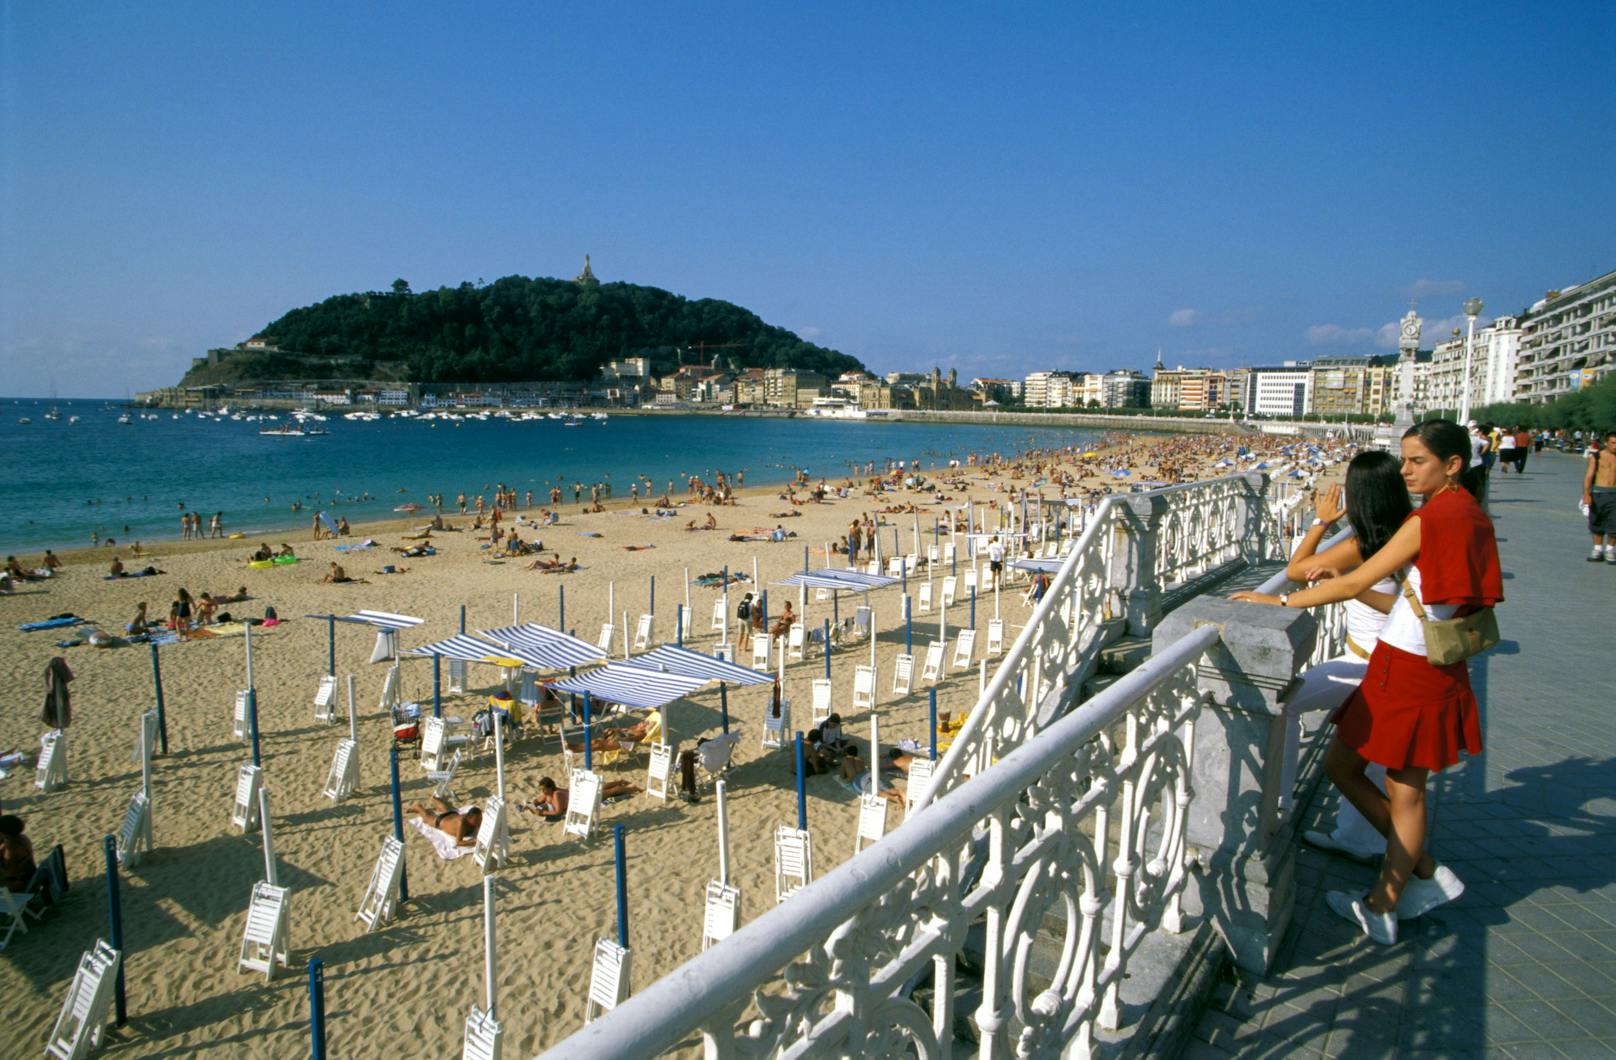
{"x": 513, "y": 329}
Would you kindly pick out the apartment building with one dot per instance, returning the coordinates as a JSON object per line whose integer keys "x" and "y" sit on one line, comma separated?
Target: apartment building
{"x": 1351, "y": 386}
{"x": 1568, "y": 340}
{"x": 1279, "y": 391}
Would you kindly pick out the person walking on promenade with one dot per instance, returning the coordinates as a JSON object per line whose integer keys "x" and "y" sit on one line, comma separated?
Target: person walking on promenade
{"x": 1410, "y": 715}
{"x": 1599, "y": 494}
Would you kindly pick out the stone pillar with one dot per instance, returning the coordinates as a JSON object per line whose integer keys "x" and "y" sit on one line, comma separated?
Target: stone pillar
{"x": 1133, "y": 561}
{"x": 1257, "y": 519}
{"x": 1236, "y": 831}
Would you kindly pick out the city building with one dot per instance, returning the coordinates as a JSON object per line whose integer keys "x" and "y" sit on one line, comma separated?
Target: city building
{"x": 1351, "y": 386}
{"x": 1188, "y": 389}
{"x": 1568, "y": 340}
{"x": 1049, "y": 390}
{"x": 791, "y": 388}
{"x": 1493, "y": 357}
{"x": 1279, "y": 391}
{"x": 1124, "y": 388}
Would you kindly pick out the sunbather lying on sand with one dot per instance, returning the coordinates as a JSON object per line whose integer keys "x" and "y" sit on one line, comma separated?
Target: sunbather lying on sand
{"x": 461, "y": 827}
{"x": 551, "y": 801}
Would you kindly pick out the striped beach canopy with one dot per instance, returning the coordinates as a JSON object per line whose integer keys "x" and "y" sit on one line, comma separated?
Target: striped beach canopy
{"x": 553, "y": 649}
{"x": 636, "y": 687}
{"x": 475, "y": 649}
{"x": 839, "y": 578}
{"x": 670, "y": 658}
{"x": 1048, "y": 566}
{"x": 380, "y": 619}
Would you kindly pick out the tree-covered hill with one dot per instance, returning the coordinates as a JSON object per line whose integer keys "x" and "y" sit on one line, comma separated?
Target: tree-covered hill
{"x": 513, "y": 329}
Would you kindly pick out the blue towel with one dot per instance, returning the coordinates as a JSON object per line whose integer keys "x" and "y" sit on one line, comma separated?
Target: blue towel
{"x": 52, "y": 623}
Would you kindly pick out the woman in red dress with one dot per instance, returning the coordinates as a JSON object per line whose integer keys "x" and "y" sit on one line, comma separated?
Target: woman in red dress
{"x": 1409, "y": 715}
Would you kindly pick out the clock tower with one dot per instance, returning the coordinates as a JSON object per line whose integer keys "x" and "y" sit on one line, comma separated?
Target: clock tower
{"x": 1408, "y": 344}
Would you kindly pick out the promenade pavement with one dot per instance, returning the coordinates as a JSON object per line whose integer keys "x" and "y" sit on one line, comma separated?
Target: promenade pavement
{"x": 1524, "y": 963}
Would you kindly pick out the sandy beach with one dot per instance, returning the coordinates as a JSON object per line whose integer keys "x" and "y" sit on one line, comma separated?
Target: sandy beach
{"x": 409, "y": 985}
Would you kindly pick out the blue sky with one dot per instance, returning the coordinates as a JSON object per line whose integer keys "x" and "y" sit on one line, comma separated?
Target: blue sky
{"x": 998, "y": 188}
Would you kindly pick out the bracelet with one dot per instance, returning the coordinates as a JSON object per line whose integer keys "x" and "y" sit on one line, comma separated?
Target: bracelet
{"x": 1319, "y": 522}
{"x": 1284, "y": 599}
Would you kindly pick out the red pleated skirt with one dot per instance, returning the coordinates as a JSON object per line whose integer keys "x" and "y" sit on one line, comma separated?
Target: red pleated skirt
{"x": 1410, "y": 713}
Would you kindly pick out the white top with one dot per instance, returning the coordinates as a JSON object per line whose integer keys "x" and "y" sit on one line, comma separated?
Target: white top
{"x": 1403, "y": 628}
{"x": 1506, "y": 441}
{"x": 1364, "y": 622}
{"x": 995, "y": 552}
{"x": 1478, "y": 449}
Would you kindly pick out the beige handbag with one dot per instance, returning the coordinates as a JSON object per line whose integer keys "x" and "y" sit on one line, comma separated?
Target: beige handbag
{"x": 1451, "y": 640}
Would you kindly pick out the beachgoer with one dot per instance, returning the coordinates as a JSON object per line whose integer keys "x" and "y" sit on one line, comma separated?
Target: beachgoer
{"x": 17, "y": 864}
{"x": 336, "y": 575}
{"x": 1599, "y": 494}
{"x": 995, "y": 560}
{"x": 461, "y": 827}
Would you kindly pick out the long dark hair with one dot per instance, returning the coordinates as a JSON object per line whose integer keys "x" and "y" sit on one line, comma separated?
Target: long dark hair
{"x": 1377, "y": 499}
{"x": 1447, "y": 440}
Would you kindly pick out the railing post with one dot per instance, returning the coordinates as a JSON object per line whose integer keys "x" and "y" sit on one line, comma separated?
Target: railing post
{"x": 1235, "y": 830}
{"x": 1133, "y": 561}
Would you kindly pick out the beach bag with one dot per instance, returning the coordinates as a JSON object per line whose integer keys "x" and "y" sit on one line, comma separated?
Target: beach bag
{"x": 744, "y": 609}
{"x": 269, "y": 612}
{"x": 1451, "y": 640}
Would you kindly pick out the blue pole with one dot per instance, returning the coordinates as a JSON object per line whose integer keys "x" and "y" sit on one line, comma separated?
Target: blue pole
{"x": 561, "y": 596}
{"x": 802, "y": 786}
{"x": 316, "y": 1008}
{"x": 252, "y": 721}
{"x": 932, "y": 695}
{"x": 679, "y": 624}
{"x": 903, "y": 574}
{"x": 652, "y": 608}
{"x": 331, "y": 645}
{"x": 805, "y": 559}
{"x": 908, "y": 627}
{"x": 973, "y": 607}
{"x": 398, "y": 826}
{"x": 827, "y": 649}
{"x": 462, "y": 618}
{"x": 162, "y": 715}
{"x": 622, "y": 886}
{"x": 589, "y": 737}
{"x": 723, "y": 704}
{"x": 763, "y": 602}
{"x": 115, "y": 924}
{"x": 437, "y": 686}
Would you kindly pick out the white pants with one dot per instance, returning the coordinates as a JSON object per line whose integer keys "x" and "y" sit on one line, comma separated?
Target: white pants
{"x": 1324, "y": 688}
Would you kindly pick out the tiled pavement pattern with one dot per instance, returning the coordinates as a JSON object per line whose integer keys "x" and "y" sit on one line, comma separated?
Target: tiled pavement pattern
{"x": 1524, "y": 963}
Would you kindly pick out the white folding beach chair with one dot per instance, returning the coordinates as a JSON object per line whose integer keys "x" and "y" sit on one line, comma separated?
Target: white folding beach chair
{"x": 925, "y": 598}
{"x": 244, "y": 809}
{"x": 863, "y": 688}
{"x": 583, "y": 804}
{"x": 52, "y": 768}
{"x": 344, "y": 775}
{"x": 386, "y": 646}
{"x": 687, "y": 622}
{"x": 903, "y": 674}
{"x": 793, "y": 861}
{"x": 720, "y": 622}
{"x": 642, "y": 632}
{"x": 796, "y": 639}
{"x": 238, "y": 716}
{"x": 391, "y": 696}
{"x": 381, "y": 893}
{"x": 264, "y": 945}
{"x": 608, "y": 979}
{"x": 721, "y": 912}
{"x": 872, "y": 821}
{"x": 436, "y": 740}
{"x": 863, "y": 620}
{"x": 873, "y": 568}
{"x": 950, "y": 584}
{"x": 760, "y": 653}
{"x": 911, "y": 562}
{"x": 604, "y": 641}
{"x": 776, "y": 728}
{"x": 457, "y": 675}
{"x": 894, "y": 566}
{"x": 919, "y": 782}
{"x": 659, "y": 772}
{"x": 948, "y": 552}
{"x": 964, "y": 648}
{"x": 485, "y": 1038}
{"x": 135, "y": 834}
{"x": 493, "y": 847}
{"x": 970, "y": 580}
{"x": 442, "y": 779}
{"x": 83, "y": 1019}
{"x": 995, "y": 636}
{"x": 16, "y": 907}
{"x": 324, "y": 696}
{"x": 932, "y": 554}
{"x": 819, "y": 709}
{"x": 932, "y": 668}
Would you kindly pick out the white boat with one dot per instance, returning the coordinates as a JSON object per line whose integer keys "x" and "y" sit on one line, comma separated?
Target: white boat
{"x": 24, "y": 419}
{"x": 291, "y": 431}
{"x": 835, "y": 408}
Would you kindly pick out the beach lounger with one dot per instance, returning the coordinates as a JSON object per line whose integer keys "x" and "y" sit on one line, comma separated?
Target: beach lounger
{"x": 493, "y": 847}
{"x": 995, "y": 636}
{"x": 970, "y": 581}
{"x": 83, "y": 1018}
{"x": 344, "y": 774}
{"x": 932, "y": 669}
{"x": 925, "y": 598}
{"x": 950, "y": 584}
{"x": 919, "y": 782}
{"x": 863, "y": 620}
{"x": 659, "y": 771}
{"x": 381, "y": 893}
{"x": 720, "y": 622}
{"x": 238, "y": 716}
{"x": 721, "y": 912}
{"x": 583, "y": 804}
{"x": 50, "y": 773}
{"x": 264, "y": 944}
{"x": 894, "y": 566}
{"x": 642, "y": 632}
{"x": 386, "y": 646}
{"x": 135, "y": 833}
{"x": 796, "y": 639}
{"x": 793, "y": 861}
{"x": 760, "y": 653}
{"x": 964, "y": 648}
{"x": 872, "y": 821}
{"x": 16, "y": 908}
{"x": 863, "y": 688}
{"x": 819, "y": 709}
{"x": 484, "y": 1037}
{"x": 457, "y": 675}
{"x": 873, "y": 568}
{"x": 777, "y": 728}
{"x": 911, "y": 562}
{"x": 391, "y": 696}
{"x": 608, "y": 979}
{"x": 436, "y": 740}
{"x": 443, "y": 779}
{"x": 323, "y": 698}
{"x": 903, "y": 674}
{"x": 948, "y": 553}
{"x": 932, "y": 554}
{"x": 244, "y": 808}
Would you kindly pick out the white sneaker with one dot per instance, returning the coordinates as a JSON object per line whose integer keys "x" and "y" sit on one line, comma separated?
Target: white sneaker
{"x": 1380, "y": 927}
{"x": 1610, "y": 553}
{"x": 1421, "y": 896}
{"x": 1597, "y": 554}
{"x": 1329, "y": 841}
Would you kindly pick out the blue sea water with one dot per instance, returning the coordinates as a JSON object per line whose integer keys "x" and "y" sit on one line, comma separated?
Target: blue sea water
{"x": 65, "y": 481}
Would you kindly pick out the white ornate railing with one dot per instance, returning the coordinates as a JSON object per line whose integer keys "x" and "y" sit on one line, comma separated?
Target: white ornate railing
{"x": 1082, "y": 829}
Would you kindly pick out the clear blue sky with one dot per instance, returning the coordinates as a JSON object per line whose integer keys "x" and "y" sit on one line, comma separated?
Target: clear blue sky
{"x": 1000, "y": 188}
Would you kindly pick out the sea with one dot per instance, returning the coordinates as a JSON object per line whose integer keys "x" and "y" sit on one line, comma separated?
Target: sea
{"x": 68, "y": 479}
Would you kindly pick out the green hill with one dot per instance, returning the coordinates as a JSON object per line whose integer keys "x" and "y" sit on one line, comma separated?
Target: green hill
{"x": 511, "y": 330}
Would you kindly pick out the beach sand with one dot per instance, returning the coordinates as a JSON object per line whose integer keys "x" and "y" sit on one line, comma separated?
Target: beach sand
{"x": 409, "y": 985}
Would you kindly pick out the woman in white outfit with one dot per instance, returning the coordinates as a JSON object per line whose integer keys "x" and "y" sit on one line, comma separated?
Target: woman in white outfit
{"x": 1376, "y": 504}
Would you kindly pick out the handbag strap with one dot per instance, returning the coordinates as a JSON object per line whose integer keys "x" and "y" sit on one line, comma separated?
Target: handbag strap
{"x": 1413, "y": 599}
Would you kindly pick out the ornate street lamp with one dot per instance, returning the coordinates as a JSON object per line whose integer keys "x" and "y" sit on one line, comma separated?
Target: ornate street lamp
{"x": 1472, "y": 310}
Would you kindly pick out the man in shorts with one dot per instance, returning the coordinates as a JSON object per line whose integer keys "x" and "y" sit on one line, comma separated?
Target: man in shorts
{"x": 995, "y": 560}
{"x": 1599, "y": 494}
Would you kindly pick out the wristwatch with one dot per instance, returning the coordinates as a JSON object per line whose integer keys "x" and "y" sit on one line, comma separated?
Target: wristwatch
{"x": 1284, "y": 599}
{"x": 1319, "y": 522}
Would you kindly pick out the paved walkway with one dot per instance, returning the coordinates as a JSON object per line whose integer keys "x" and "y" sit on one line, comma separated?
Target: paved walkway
{"x": 1524, "y": 964}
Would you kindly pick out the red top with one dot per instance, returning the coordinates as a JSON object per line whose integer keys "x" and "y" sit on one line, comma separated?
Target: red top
{"x": 1458, "y": 553}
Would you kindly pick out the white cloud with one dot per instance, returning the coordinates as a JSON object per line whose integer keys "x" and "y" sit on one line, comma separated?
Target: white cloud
{"x": 1427, "y": 288}
{"x": 1336, "y": 335}
{"x": 1386, "y": 336}
{"x": 1184, "y": 318}
{"x": 809, "y": 332}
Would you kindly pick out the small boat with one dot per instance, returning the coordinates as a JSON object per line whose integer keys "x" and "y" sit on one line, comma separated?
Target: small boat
{"x": 53, "y": 414}
{"x": 72, "y": 420}
{"x": 126, "y": 418}
{"x": 24, "y": 419}
{"x": 290, "y": 431}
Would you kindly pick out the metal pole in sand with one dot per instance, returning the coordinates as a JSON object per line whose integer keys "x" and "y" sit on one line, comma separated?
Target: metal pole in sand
{"x": 516, "y": 609}
{"x": 625, "y": 634}
{"x": 489, "y": 964}
{"x": 875, "y": 753}
{"x": 316, "y": 1008}
{"x": 687, "y": 600}
{"x": 269, "y": 838}
{"x": 611, "y": 602}
{"x": 462, "y": 618}
{"x": 723, "y": 704}
{"x": 115, "y": 926}
{"x": 437, "y": 685}
{"x": 331, "y": 645}
{"x": 398, "y": 826}
{"x": 973, "y": 607}
{"x": 802, "y": 787}
{"x": 679, "y": 624}
{"x": 162, "y": 715}
{"x": 589, "y": 737}
{"x": 353, "y": 713}
{"x": 931, "y": 709}
{"x": 652, "y": 608}
{"x": 561, "y": 606}
{"x": 908, "y": 627}
{"x": 721, "y": 789}
{"x": 499, "y": 753}
{"x": 827, "y": 649}
{"x": 622, "y": 885}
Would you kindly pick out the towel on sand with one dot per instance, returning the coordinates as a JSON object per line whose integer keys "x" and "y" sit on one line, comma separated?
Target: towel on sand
{"x": 441, "y": 842}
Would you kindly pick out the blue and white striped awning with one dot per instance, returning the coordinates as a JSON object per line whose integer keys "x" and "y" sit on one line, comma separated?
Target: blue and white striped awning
{"x": 553, "y": 649}
{"x": 635, "y": 687}
{"x": 475, "y": 649}
{"x": 1048, "y": 566}
{"x": 670, "y": 658}
{"x": 839, "y": 578}
{"x": 381, "y": 619}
